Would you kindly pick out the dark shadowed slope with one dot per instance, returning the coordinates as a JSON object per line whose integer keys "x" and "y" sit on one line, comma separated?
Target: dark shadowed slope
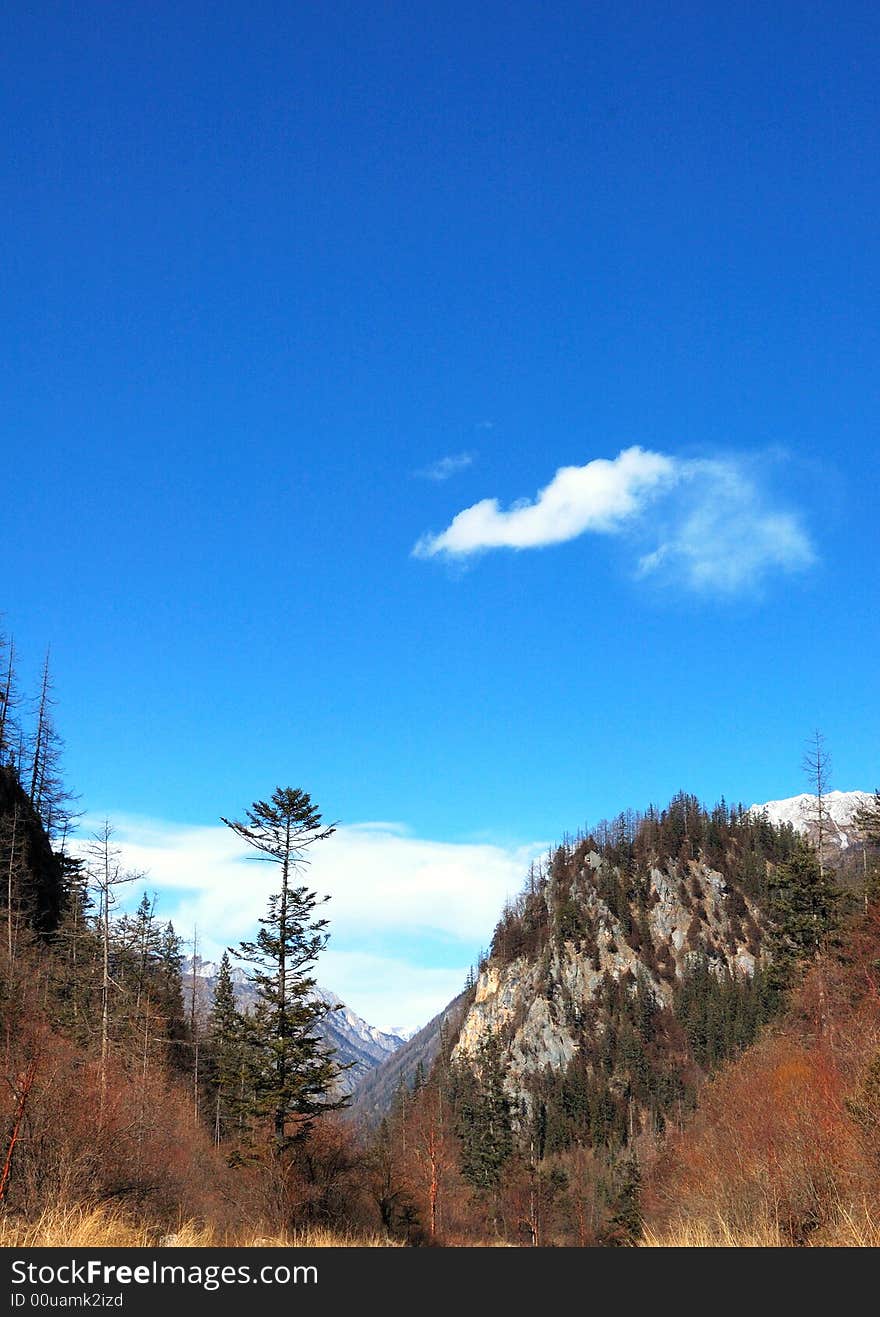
{"x": 373, "y": 1095}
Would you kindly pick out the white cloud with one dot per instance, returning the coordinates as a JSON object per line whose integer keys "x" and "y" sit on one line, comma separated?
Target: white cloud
{"x": 400, "y": 904}
{"x": 710, "y": 523}
{"x": 600, "y": 496}
{"x": 725, "y": 535}
{"x": 446, "y": 466}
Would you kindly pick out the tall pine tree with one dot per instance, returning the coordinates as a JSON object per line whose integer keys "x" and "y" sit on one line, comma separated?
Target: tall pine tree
{"x": 297, "y": 1073}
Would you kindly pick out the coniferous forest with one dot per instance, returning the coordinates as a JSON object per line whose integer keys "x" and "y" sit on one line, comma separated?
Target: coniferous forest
{"x": 674, "y": 1037}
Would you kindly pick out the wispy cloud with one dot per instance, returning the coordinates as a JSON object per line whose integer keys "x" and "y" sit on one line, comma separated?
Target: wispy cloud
{"x": 408, "y": 914}
{"x": 725, "y": 533}
{"x": 707, "y": 523}
{"x": 446, "y": 467}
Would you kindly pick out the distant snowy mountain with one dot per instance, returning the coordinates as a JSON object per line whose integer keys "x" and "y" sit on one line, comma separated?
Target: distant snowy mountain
{"x": 209, "y": 969}
{"x": 355, "y": 1040}
{"x": 799, "y": 811}
{"x": 360, "y": 1045}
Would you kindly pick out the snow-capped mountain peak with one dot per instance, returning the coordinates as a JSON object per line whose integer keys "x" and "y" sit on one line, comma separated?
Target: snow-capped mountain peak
{"x": 349, "y": 1022}
{"x": 800, "y": 811}
{"x": 209, "y": 969}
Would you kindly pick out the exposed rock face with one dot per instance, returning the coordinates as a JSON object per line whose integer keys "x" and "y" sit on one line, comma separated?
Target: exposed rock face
{"x": 512, "y": 1002}
{"x": 540, "y": 1002}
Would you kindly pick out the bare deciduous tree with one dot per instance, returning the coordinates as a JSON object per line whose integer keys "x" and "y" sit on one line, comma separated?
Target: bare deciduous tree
{"x": 105, "y": 875}
{"x": 816, "y": 764}
{"x": 8, "y": 700}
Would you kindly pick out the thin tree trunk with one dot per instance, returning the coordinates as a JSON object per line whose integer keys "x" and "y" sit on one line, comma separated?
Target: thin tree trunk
{"x": 73, "y": 954}
{"x": 435, "y": 1189}
{"x": 105, "y": 990}
{"x": 193, "y": 1026}
{"x": 16, "y": 1126}
{"x": 10, "y": 944}
{"x": 105, "y": 966}
{"x": 6, "y": 696}
{"x": 142, "y": 1115}
{"x": 281, "y": 1110}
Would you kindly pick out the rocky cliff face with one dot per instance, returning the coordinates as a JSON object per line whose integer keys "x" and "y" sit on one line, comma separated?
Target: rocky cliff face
{"x": 588, "y": 928}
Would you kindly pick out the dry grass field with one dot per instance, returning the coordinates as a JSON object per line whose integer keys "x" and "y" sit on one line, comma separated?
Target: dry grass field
{"x": 87, "y": 1226}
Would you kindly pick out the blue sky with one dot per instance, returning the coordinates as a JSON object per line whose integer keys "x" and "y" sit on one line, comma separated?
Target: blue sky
{"x": 288, "y": 289}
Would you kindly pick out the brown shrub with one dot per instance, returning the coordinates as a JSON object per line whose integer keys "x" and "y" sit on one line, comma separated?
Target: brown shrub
{"x": 785, "y": 1143}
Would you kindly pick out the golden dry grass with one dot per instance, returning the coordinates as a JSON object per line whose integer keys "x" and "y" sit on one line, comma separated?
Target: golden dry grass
{"x": 73, "y": 1227}
{"x": 89, "y": 1226}
{"x": 855, "y": 1227}
{"x": 701, "y": 1234}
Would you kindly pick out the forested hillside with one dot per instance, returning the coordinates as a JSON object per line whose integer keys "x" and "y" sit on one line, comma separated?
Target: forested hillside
{"x": 784, "y": 1144}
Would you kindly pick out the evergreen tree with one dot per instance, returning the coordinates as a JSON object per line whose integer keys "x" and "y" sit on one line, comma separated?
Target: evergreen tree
{"x": 45, "y": 784}
{"x": 804, "y": 911}
{"x": 867, "y": 820}
{"x": 484, "y": 1120}
{"x": 139, "y": 940}
{"x": 75, "y": 983}
{"x": 297, "y": 1072}
{"x": 167, "y": 993}
{"x": 624, "y": 1227}
{"x": 15, "y": 883}
{"x": 231, "y": 1079}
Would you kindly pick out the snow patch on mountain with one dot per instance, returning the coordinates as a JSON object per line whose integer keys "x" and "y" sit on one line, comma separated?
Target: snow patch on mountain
{"x": 377, "y": 1043}
{"x": 800, "y": 811}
